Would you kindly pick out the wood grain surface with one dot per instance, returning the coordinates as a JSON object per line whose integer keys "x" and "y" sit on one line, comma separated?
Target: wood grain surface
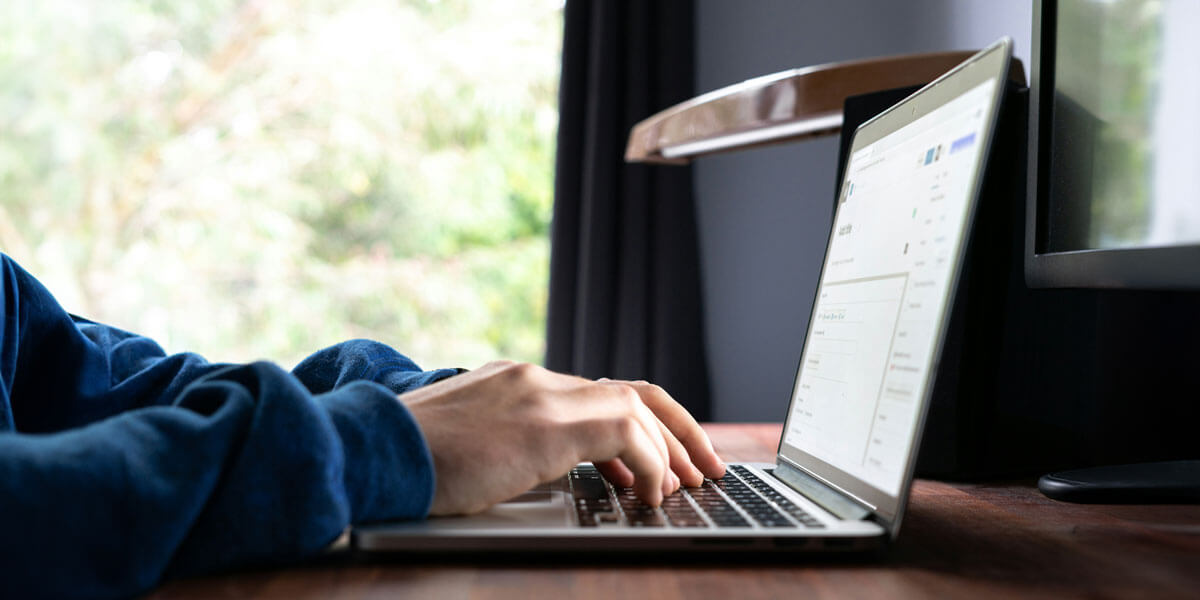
{"x": 975, "y": 541}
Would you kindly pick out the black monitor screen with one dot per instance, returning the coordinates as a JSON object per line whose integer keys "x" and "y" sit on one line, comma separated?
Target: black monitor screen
{"x": 1124, "y": 149}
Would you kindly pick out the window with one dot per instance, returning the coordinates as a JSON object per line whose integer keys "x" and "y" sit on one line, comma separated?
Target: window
{"x": 259, "y": 179}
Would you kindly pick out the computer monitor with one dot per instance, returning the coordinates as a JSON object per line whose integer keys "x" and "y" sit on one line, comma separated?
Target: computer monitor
{"x": 1114, "y": 145}
{"x": 1114, "y": 180}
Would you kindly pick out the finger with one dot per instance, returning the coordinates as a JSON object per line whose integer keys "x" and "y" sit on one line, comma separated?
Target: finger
{"x": 653, "y": 429}
{"x": 643, "y": 459}
{"x": 683, "y": 427}
{"x": 632, "y": 436}
{"x": 681, "y": 463}
{"x": 616, "y": 472}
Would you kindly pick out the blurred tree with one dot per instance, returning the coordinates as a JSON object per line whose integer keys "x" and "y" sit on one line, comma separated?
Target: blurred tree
{"x": 1121, "y": 40}
{"x": 262, "y": 178}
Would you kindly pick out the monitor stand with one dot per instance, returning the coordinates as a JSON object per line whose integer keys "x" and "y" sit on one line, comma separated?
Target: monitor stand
{"x": 1172, "y": 482}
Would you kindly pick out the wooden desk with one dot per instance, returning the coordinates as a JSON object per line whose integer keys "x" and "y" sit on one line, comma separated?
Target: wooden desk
{"x": 977, "y": 541}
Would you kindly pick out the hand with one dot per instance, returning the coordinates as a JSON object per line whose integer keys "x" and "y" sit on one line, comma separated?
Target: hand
{"x": 502, "y": 429}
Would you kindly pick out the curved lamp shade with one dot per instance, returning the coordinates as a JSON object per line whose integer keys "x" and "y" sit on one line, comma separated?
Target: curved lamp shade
{"x": 784, "y": 106}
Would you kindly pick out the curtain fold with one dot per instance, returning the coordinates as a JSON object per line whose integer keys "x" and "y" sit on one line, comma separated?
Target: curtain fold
{"x": 625, "y": 295}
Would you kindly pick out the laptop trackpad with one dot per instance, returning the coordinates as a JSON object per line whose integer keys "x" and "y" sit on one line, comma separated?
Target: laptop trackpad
{"x": 531, "y": 497}
{"x": 539, "y": 507}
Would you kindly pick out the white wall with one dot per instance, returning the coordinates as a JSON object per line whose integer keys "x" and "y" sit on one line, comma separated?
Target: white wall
{"x": 764, "y": 214}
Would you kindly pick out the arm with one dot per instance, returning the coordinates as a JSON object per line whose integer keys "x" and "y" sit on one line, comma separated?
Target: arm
{"x": 120, "y": 465}
{"x": 364, "y": 360}
{"x": 246, "y": 468}
{"x": 160, "y": 465}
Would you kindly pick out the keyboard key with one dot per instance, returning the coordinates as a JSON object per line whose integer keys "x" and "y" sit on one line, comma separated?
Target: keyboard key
{"x": 680, "y": 512}
{"x": 646, "y": 519}
{"x": 596, "y": 503}
{"x": 716, "y": 506}
{"x": 587, "y": 484}
{"x": 729, "y": 520}
{"x": 774, "y": 496}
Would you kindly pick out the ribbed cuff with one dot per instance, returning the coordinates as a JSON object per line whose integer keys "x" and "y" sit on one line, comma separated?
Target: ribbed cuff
{"x": 388, "y": 470}
{"x": 407, "y": 381}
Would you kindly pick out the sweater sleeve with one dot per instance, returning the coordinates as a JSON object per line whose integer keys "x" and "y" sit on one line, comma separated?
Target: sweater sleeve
{"x": 364, "y": 360}
{"x": 138, "y": 466}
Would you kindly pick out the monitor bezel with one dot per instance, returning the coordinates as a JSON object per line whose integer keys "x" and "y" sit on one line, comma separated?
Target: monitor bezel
{"x": 1142, "y": 267}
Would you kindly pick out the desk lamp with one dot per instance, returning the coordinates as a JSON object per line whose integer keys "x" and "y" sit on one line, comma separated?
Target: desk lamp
{"x": 787, "y": 106}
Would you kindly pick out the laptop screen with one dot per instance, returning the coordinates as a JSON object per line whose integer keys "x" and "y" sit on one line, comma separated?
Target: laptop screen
{"x": 881, "y": 302}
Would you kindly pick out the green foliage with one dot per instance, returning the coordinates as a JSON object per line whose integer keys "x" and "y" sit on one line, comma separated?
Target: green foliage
{"x": 260, "y": 179}
{"x": 1119, "y": 40}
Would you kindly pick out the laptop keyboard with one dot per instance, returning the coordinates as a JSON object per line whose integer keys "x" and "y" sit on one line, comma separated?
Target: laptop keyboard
{"x": 739, "y": 499}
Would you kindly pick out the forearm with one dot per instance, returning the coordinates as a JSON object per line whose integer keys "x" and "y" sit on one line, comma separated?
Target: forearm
{"x": 364, "y": 360}
{"x": 246, "y": 468}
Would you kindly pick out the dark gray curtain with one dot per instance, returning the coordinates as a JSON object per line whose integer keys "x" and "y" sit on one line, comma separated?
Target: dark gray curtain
{"x": 625, "y": 297}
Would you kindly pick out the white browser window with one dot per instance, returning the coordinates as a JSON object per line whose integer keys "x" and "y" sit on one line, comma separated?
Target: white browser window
{"x": 883, "y": 292}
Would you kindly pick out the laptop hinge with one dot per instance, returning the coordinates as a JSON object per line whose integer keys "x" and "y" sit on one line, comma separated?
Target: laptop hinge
{"x": 823, "y": 495}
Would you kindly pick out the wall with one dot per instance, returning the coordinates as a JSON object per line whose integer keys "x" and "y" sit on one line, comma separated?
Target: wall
{"x": 764, "y": 214}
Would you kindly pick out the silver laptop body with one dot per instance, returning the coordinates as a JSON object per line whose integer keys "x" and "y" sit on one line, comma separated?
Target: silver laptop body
{"x": 844, "y": 469}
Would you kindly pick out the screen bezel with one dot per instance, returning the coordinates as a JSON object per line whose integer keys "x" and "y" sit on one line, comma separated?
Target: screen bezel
{"x": 992, "y": 63}
{"x": 1159, "y": 267}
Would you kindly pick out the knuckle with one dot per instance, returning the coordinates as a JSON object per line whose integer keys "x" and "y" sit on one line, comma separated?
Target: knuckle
{"x": 626, "y": 427}
{"x": 524, "y": 371}
{"x": 516, "y": 375}
{"x": 628, "y": 396}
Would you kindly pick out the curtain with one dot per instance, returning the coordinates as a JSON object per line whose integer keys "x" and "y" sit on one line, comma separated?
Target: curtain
{"x": 625, "y": 295}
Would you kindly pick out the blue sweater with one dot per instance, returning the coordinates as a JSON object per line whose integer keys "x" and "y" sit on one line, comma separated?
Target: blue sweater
{"x": 121, "y": 466}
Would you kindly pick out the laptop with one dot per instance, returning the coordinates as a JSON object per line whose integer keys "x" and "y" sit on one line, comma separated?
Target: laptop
{"x": 844, "y": 468}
